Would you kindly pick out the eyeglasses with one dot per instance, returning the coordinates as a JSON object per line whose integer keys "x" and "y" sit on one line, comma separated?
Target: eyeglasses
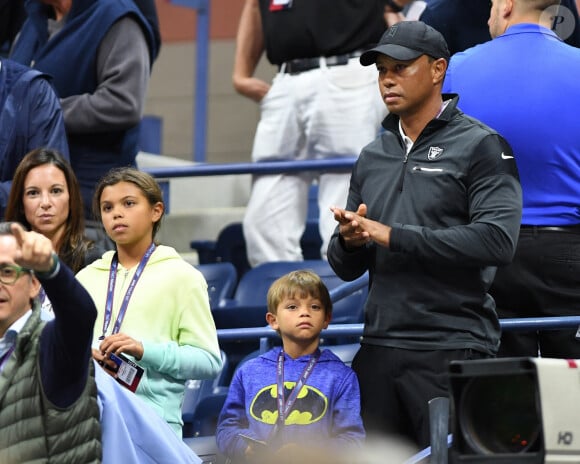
{"x": 10, "y": 273}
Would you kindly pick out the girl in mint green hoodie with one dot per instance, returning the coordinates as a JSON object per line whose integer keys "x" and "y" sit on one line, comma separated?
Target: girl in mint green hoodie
{"x": 153, "y": 306}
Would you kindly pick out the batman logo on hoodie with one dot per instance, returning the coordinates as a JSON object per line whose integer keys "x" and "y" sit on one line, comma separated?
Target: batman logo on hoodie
{"x": 310, "y": 405}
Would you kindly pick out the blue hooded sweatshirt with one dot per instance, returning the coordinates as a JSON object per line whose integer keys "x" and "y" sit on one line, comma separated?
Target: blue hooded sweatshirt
{"x": 326, "y": 412}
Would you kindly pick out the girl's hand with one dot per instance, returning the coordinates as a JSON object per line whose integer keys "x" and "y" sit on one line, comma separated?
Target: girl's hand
{"x": 121, "y": 343}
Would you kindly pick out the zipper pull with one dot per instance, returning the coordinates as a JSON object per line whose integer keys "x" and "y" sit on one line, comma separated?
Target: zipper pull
{"x": 402, "y": 175}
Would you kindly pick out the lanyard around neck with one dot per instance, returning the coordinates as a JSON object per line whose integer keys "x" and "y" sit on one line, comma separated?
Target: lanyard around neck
{"x": 284, "y": 407}
{"x": 128, "y": 293}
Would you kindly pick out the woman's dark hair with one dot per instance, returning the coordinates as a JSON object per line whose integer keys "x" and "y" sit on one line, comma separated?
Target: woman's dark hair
{"x": 73, "y": 247}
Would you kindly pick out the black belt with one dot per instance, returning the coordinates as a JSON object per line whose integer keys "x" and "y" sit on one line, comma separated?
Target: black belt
{"x": 306, "y": 64}
{"x": 573, "y": 229}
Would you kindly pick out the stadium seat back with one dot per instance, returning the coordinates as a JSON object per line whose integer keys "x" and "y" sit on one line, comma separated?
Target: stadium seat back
{"x": 222, "y": 279}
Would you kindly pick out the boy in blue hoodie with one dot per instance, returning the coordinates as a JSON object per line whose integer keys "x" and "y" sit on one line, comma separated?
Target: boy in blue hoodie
{"x": 319, "y": 400}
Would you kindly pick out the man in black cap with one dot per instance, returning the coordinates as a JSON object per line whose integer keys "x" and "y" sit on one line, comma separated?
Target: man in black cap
{"x": 434, "y": 205}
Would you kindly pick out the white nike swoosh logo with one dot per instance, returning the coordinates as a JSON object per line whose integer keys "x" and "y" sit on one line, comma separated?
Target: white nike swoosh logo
{"x": 505, "y": 157}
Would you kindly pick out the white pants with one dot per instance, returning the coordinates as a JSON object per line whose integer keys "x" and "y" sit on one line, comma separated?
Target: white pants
{"x": 327, "y": 112}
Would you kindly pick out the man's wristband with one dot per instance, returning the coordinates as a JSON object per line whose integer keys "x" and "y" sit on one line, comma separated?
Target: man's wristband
{"x": 394, "y": 7}
{"x": 52, "y": 271}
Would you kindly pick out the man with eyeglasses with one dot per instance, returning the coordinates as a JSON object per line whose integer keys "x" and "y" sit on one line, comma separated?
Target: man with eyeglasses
{"x": 48, "y": 396}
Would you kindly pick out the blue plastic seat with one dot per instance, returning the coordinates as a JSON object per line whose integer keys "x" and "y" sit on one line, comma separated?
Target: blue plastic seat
{"x": 197, "y": 392}
{"x": 222, "y": 279}
{"x": 248, "y": 306}
{"x": 230, "y": 247}
{"x": 310, "y": 242}
{"x": 205, "y": 417}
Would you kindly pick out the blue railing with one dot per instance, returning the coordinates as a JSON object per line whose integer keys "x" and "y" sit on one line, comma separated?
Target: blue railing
{"x": 334, "y": 164}
{"x": 342, "y": 164}
{"x": 355, "y": 330}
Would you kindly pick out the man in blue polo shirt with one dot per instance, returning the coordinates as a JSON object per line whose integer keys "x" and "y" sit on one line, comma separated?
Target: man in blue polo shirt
{"x": 464, "y": 24}
{"x": 524, "y": 84}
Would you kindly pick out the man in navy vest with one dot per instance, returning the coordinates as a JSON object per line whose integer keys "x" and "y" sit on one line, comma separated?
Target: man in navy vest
{"x": 99, "y": 53}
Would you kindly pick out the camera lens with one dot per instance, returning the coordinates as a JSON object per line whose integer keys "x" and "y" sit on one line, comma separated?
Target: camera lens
{"x": 500, "y": 414}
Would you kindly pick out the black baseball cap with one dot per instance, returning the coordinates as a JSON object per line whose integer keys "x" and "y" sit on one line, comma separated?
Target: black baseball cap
{"x": 408, "y": 40}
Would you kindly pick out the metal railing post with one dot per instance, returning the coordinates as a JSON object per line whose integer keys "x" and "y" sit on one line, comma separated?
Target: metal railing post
{"x": 199, "y": 140}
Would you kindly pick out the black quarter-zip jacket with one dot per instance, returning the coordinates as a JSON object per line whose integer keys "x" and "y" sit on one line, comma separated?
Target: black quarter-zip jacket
{"x": 454, "y": 203}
